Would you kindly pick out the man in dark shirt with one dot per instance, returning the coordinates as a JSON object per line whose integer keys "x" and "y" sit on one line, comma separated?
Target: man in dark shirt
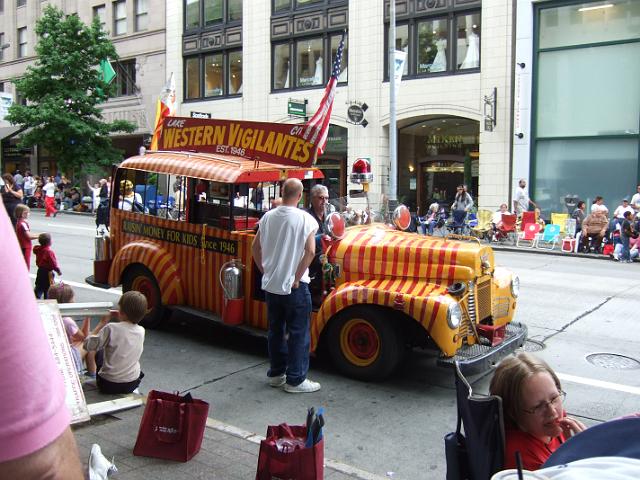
{"x": 318, "y": 209}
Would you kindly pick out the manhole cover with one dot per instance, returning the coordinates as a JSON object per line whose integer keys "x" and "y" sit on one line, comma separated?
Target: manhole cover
{"x": 613, "y": 360}
{"x": 533, "y": 346}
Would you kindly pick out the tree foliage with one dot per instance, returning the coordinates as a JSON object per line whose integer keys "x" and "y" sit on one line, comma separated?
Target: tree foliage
{"x": 63, "y": 90}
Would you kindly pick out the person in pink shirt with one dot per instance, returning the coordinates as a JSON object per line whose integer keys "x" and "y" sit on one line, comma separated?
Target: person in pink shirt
{"x": 35, "y": 438}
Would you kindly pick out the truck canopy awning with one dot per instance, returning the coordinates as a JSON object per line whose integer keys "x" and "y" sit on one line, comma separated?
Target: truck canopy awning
{"x": 217, "y": 168}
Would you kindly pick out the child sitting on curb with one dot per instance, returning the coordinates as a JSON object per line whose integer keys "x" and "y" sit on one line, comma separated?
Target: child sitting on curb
{"x": 64, "y": 294}
{"x": 121, "y": 346}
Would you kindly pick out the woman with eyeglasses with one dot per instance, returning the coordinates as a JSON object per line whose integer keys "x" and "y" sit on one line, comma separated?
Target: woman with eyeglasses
{"x": 536, "y": 423}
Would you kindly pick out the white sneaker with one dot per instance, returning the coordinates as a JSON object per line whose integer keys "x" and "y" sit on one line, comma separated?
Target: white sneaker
{"x": 307, "y": 386}
{"x": 277, "y": 382}
{"x": 99, "y": 466}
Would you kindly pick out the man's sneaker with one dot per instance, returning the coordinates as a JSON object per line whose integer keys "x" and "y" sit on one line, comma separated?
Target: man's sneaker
{"x": 277, "y": 382}
{"x": 307, "y": 386}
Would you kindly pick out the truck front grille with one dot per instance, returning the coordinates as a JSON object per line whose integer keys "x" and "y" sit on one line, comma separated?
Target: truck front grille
{"x": 483, "y": 298}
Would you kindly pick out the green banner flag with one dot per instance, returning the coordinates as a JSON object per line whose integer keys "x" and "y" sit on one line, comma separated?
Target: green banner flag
{"x": 107, "y": 71}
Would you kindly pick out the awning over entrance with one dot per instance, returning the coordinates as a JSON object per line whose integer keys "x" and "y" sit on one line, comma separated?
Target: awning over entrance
{"x": 7, "y": 132}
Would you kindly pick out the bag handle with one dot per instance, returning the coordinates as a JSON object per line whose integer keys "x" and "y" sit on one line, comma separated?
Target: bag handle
{"x": 163, "y": 432}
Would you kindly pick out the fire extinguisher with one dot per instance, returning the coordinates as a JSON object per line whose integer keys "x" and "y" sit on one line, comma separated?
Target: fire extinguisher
{"x": 231, "y": 283}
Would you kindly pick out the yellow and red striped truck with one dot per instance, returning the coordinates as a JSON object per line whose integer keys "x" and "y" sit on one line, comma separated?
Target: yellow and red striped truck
{"x": 177, "y": 218}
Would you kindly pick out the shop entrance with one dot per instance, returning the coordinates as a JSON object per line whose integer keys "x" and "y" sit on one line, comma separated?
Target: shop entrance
{"x": 435, "y": 155}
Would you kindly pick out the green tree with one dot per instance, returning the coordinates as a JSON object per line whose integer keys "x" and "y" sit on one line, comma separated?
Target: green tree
{"x": 63, "y": 90}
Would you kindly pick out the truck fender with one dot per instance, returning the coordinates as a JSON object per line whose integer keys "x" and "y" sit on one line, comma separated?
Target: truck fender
{"x": 420, "y": 300}
{"x": 159, "y": 261}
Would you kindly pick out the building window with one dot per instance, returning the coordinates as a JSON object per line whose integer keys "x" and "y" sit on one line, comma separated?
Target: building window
{"x": 216, "y": 74}
{"x": 443, "y": 41}
{"x": 208, "y": 13}
{"x": 292, "y": 5}
{"x": 312, "y": 61}
{"x": 99, "y": 13}
{"x": 125, "y": 79}
{"x": 21, "y": 3}
{"x": 119, "y": 17}
{"x": 142, "y": 15}
{"x": 22, "y": 42}
{"x": 2, "y": 47}
{"x": 1, "y": 6}
{"x": 585, "y": 118}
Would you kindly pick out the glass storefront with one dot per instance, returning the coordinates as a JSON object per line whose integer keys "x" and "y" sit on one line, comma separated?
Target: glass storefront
{"x": 434, "y": 156}
{"x": 587, "y": 103}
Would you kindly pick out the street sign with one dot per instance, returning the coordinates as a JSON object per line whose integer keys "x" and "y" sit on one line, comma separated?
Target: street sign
{"x": 200, "y": 115}
{"x": 355, "y": 114}
{"x": 297, "y": 107}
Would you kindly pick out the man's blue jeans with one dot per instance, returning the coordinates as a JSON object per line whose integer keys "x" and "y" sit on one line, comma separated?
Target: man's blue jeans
{"x": 289, "y": 314}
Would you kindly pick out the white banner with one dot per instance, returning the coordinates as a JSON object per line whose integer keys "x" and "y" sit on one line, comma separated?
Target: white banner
{"x": 6, "y": 100}
{"x": 400, "y": 58}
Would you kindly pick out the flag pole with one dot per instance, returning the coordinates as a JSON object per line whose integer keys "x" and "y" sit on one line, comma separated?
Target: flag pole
{"x": 393, "y": 133}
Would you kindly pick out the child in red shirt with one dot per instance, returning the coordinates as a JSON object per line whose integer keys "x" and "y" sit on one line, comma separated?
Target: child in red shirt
{"x": 47, "y": 264}
{"x": 23, "y": 231}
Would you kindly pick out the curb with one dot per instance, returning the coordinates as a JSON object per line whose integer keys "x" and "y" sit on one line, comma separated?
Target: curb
{"x": 502, "y": 248}
{"x": 256, "y": 439}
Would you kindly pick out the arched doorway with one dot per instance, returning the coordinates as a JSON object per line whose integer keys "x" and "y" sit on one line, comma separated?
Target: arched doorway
{"x": 434, "y": 156}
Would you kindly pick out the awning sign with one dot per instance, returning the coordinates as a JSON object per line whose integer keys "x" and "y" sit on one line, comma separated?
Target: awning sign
{"x": 283, "y": 143}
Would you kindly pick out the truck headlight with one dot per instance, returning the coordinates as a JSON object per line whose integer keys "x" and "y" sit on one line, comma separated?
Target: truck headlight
{"x": 515, "y": 287}
{"x": 454, "y": 315}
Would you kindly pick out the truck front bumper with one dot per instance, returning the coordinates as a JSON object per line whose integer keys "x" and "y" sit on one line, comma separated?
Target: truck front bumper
{"x": 474, "y": 359}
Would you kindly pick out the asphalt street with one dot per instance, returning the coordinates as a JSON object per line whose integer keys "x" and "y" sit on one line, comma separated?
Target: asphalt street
{"x": 574, "y": 307}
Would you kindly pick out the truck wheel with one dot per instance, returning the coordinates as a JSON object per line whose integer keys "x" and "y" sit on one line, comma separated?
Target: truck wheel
{"x": 140, "y": 279}
{"x": 365, "y": 345}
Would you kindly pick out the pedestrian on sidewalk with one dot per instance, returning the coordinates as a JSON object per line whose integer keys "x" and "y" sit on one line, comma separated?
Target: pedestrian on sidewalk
{"x": 626, "y": 233}
{"x": 119, "y": 346}
{"x": 47, "y": 264}
{"x": 521, "y": 200}
{"x": 11, "y": 196}
{"x": 49, "y": 190}
{"x": 283, "y": 250}
{"x": 23, "y": 231}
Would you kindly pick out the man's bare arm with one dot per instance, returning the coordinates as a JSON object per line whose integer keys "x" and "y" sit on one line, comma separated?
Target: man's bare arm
{"x": 57, "y": 461}
{"x": 256, "y": 249}
{"x": 307, "y": 257}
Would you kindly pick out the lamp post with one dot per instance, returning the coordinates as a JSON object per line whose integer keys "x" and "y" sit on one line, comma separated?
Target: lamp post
{"x": 393, "y": 134}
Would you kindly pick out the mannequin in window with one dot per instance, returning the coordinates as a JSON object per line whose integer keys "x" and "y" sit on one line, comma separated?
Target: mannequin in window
{"x": 440, "y": 61}
{"x": 317, "y": 77}
{"x": 286, "y": 76}
{"x": 472, "y": 58}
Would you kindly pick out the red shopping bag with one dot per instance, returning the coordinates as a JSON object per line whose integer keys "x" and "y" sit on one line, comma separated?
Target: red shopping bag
{"x": 283, "y": 455}
{"x": 172, "y": 427}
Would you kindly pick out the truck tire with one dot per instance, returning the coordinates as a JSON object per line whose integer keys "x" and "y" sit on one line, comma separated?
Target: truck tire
{"x": 364, "y": 343}
{"x": 140, "y": 278}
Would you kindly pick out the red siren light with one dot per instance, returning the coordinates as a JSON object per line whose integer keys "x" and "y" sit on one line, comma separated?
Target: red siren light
{"x": 361, "y": 171}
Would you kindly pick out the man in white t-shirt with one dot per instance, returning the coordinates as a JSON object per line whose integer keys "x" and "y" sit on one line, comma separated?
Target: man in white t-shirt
{"x": 521, "y": 199}
{"x": 283, "y": 250}
{"x": 635, "y": 200}
{"x": 623, "y": 207}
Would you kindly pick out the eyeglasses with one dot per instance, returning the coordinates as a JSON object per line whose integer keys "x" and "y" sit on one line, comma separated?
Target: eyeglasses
{"x": 321, "y": 197}
{"x": 542, "y": 406}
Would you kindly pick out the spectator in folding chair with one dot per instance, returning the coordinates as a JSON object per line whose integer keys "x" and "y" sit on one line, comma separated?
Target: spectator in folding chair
{"x": 536, "y": 424}
{"x": 594, "y": 229}
{"x": 506, "y": 227}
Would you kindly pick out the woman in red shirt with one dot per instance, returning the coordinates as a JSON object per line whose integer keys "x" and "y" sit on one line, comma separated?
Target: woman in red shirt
{"x": 535, "y": 420}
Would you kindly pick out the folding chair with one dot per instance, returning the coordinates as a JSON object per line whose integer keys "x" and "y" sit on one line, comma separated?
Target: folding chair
{"x": 507, "y": 227}
{"x": 526, "y": 219}
{"x": 484, "y": 224}
{"x": 529, "y": 234}
{"x": 458, "y": 222}
{"x": 549, "y": 238}
{"x": 479, "y": 452}
{"x": 560, "y": 219}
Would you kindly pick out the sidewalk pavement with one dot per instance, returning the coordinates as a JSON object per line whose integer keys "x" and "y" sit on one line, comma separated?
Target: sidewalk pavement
{"x": 227, "y": 453}
{"x": 557, "y": 252}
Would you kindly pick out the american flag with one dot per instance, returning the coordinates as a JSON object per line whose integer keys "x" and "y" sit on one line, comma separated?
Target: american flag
{"x": 318, "y": 127}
